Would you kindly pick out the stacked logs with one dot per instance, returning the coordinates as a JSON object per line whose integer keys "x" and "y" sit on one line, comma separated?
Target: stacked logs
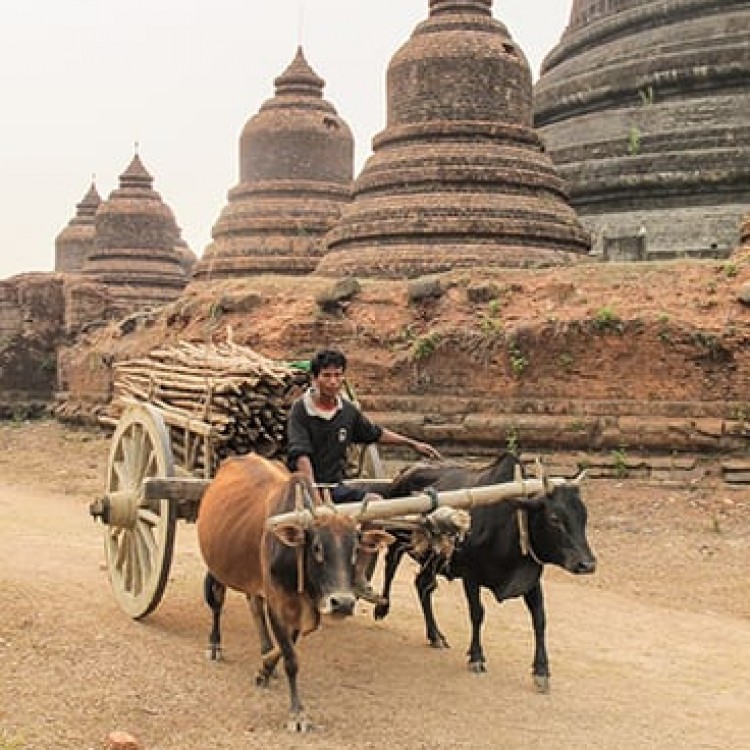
{"x": 217, "y": 400}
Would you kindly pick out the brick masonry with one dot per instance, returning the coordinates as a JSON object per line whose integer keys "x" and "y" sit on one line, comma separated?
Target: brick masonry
{"x": 296, "y": 170}
{"x": 458, "y": 177}
{"x": 644, "y": 109}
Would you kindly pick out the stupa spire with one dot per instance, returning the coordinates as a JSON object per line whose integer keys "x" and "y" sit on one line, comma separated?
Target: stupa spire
{"x": 477, "y": 7}
{"x": 299, "y": 79}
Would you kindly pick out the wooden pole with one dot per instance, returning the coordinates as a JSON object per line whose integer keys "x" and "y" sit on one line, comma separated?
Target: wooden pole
{"x": 425, "y": 502}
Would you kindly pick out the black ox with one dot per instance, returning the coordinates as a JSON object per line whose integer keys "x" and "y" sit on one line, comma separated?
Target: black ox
{"x": 505, "y": 550}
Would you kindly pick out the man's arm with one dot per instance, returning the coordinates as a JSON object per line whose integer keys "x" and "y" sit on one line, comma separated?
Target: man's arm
{"x": 304, "y": 466}
{"x": 299, "y": 444}
{"x": 396, "y": 438}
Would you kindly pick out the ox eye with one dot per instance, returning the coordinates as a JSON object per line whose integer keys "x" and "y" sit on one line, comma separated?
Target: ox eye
{"x": 555, "y": 520}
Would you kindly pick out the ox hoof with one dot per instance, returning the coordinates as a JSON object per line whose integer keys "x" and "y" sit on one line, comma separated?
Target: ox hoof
{"x": 262, "y": 679}
{"x": 299, "y": 724}
{"x": 214, "y": 653}
{"x": 541, "y": 683}
{"x": 477, "y": 667}
{"x": 440, "y": 642}
{"x": 381, "y": 611}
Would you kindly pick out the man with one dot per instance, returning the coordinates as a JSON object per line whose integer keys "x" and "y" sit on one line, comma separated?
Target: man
{"x": 321, "y": 427}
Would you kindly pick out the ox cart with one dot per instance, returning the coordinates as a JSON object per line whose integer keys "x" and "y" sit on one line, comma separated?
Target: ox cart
{"x": 162, "y": 460}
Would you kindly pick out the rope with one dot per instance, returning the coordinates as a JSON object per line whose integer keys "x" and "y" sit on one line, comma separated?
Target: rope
{"x": 431, "y": 492}
{"x": 301, "y": 569}
{"x": 523, "y": 536}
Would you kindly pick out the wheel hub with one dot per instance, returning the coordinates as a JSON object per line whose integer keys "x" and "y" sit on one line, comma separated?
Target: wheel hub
{"x": 119, "y": 508}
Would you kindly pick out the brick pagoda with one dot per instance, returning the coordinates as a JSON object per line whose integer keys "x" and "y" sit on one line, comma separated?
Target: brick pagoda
{"x": 76, "y": 240}
{"x": 296, "y": 171}
{"x": 135, "y": 245}
{"x": 458, "y": 178}
{"x": 645, "y": 108}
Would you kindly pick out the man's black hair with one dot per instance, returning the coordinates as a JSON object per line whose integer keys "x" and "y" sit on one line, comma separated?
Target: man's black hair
{"x": 327, "y": 358}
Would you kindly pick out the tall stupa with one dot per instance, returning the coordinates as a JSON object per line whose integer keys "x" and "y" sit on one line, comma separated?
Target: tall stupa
{"x": 645, "y": 108}
{"x": 296, "y": 171}
{"x": 76, "y": 240}
{"x": 458, "y": 177}
{"x": 135, "y": 244}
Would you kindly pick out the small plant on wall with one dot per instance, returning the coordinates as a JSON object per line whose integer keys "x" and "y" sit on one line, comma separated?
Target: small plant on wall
{"x": 517, "y": 360}
{"x": 619, "y": 458}
{"x": 634, "y": 141}
{"x": 512, "y": 444}
{"x": 425, "y": 345}
{"x": 606, "y": 319}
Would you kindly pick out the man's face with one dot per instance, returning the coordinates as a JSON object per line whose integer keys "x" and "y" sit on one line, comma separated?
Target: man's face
{"x": 329, "y": 381}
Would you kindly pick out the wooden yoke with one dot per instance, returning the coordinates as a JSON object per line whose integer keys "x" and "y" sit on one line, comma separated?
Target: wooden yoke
{"x": 426, "y": 502}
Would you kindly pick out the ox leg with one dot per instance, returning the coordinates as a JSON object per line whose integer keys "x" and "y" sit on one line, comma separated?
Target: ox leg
{"x": 476, "y": 614}
{"x": 534, "y": 599}
{"x": 426, "y": 583}
{"x": 214, "y": 592}
{"x": 298, "y": 722}
{"x": 392, "y": 559}
{"x": 269, "y": 653}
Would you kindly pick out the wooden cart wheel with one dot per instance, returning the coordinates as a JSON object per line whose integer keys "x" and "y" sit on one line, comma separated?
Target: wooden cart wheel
{"x": 140, "y": 534}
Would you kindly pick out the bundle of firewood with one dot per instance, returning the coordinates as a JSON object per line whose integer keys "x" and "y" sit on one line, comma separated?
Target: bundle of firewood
{"x": 226, "y": 395}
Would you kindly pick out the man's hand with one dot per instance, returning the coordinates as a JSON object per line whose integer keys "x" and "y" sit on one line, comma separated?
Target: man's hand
{"x": 426, "y": 450}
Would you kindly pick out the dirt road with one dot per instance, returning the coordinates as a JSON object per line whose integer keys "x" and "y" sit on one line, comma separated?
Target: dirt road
{"x": 652, "y": 652}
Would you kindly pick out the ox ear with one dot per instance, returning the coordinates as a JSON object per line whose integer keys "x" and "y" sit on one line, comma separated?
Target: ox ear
{"x": 290, "y": 534}
{"x": 374, "y": 539}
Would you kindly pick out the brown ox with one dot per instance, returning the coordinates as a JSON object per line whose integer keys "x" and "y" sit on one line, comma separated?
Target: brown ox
{"x": 290, "y": 574}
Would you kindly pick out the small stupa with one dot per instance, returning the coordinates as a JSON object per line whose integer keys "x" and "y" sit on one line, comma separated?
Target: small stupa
{"x": 135, "y": 244}
{"x": 458, "y": 177}
{"x": 76, "y": 240}
{"x": 296, "y": 171}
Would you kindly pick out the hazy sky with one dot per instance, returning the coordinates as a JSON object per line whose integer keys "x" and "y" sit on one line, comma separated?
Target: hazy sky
{"x": 83, "y": 80}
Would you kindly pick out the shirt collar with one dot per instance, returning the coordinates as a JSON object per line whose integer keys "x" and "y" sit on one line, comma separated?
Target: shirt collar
{"x": 314, "y": 411}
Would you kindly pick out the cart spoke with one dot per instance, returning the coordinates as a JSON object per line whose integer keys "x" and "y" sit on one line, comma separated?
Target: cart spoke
{"x": 118, "y": 541}
{"x": 152, "y": 465}
{"x": 142, "y": 459}
{"x": 128, "y": 459}
{"x": 120, "y": 476}
{"x": 128, "y": 563}
{"x": 149, "y": 517}
{"x": 141, "y": 567}
{"x": 146, "y": 531}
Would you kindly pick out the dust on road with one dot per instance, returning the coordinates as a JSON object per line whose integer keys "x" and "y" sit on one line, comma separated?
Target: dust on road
{"x": 651, "y": 652}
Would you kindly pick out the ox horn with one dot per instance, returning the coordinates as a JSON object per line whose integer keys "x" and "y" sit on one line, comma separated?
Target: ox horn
{"x": 578, "y": 478}
{"x": 328, "y": 500}
{"x": 302, "y": 499}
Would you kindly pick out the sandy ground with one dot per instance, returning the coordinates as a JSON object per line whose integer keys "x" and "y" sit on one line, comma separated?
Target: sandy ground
{"x": 651, "y": 652}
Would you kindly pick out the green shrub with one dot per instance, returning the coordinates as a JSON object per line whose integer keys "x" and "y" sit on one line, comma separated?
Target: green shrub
{"x": 516, "y": 358}
{"x": 606, "y": 319}
{"x": 634, "y": 141}
{"x": 425, "y": 345}
{"x": 620, "y": 458}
